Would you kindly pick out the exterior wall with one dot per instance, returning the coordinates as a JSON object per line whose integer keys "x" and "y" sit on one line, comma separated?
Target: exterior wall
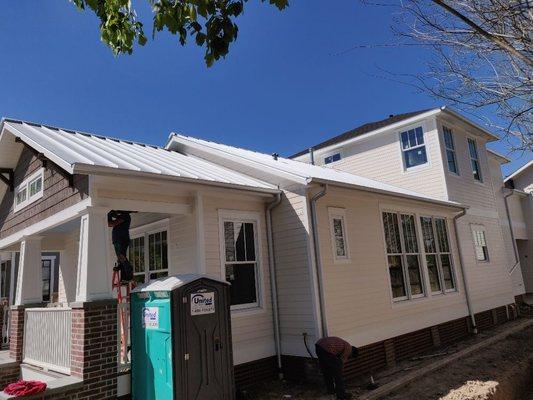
{"x": 499, "y": 193}
{"x": 58, "y": 195}
{"x": 380, "y": 158}
{"x": 293, "y": 255}
{"x": 357, "y": 292}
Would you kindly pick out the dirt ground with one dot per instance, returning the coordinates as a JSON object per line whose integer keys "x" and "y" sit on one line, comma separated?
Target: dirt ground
{"x": 498, "y": 372}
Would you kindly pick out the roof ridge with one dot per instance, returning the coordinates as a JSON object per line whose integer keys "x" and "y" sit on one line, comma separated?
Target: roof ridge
{"x": 73, "y": 131}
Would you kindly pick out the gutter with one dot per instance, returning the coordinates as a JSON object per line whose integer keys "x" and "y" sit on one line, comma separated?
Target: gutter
{"x": 463, "y": 272}
{"x": 515, "y": 249}
{"x": 273, "y": 280}
{"x": 318, "y": 263}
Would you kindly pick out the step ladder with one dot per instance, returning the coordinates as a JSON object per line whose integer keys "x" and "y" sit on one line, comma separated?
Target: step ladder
{"x": 123, "y": 291}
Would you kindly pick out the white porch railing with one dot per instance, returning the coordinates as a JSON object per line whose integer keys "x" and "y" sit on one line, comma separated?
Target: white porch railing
{"x": 47, "y": 338}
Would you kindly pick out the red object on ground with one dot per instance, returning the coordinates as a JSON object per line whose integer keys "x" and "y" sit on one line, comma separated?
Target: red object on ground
{"x": 25, "y": 388}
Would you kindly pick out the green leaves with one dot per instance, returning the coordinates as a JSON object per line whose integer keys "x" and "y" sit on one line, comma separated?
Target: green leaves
{"x": 210, "y": 22}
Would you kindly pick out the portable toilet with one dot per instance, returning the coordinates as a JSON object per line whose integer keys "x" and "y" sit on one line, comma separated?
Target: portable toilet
{"x": 181, "y": 339}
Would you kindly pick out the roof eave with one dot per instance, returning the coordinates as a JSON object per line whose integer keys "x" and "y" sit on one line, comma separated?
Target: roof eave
{"x": 519, "y": 171}
{"x": 119, "y": 172}
{"x": 389, "y": 193}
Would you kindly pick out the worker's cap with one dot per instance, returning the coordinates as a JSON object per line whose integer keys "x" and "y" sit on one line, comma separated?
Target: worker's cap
{"x": 355, "y": 352}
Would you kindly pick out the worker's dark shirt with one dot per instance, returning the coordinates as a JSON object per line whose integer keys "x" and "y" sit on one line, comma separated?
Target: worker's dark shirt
{"x": 121, "y": 232}
{"x": 336, "y": 346}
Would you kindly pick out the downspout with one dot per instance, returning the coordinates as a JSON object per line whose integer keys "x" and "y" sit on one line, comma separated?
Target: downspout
{"x": 273, "y": 280}
{"x": 463, "y": 271}
{"x": 318, "y": 263}
{"x": 515, "y": 249}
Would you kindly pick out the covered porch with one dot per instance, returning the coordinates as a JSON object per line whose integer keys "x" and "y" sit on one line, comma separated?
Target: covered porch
{"x": 181, "y": 234}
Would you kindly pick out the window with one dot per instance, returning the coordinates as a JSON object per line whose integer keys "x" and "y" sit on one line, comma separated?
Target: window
{"x": 438, "y": 254}
{"x": 332, "y": 158}
{"x": 480, "y": 244}
{"x": 474, "y": 160}
{"x": 403, "y": 255}
{"x": 450, "y": 150}
{"x": 241, "y": 261}
{"x": 30, "y": 190}
{"x": 148, "y": 254}
{"x": 413, "y": 147}
{"x": 338, "y": 234}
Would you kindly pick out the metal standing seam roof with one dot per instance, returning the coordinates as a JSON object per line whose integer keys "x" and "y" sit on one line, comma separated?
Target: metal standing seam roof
{"x": 300, "y": 171}
{"x": 74, "y": 151}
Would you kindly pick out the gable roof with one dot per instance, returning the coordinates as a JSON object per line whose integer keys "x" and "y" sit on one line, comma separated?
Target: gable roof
{"x": 519, "y": 170}
{"x": 295, "y": 171}
{"x": 80, "y": 152}
{"x": 361, "y": 130}
{"x": 387, "y": 123}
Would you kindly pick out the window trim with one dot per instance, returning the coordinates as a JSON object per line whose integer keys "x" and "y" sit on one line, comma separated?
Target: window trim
{"x": 339, "y": 213}
{"x": 452, "y": 149}
{"x": 144, "y": 231}
{"x": 477, "y": 160}
{"x": 437, "y": 255}
{"x": 405, "y": 269}
{"x": 25, "y": 185}
{"x": 480, "y": 228}
{"x": 255, "y": 218}
{"x": 402, "y": 150}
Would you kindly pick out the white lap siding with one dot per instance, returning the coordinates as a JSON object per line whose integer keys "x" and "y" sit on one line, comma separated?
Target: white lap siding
{"x": 253, "y": 334}
{"x": 357, "y": 293}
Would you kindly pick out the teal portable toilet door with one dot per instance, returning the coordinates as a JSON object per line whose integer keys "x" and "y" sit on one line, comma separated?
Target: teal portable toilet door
{"x": 152, "y": 377}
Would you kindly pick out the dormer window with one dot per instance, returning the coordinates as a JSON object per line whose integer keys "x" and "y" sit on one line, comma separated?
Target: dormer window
{"x": 30, "y": 190}
{"x": 413, "y": 147}
{"x": 332, "y": 158}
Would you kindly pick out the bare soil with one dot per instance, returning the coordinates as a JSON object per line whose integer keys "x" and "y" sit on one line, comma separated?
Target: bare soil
{"x": 503, "y": 371}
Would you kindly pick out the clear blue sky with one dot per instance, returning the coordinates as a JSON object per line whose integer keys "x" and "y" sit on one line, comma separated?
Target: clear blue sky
{"x": 283, "y": 87}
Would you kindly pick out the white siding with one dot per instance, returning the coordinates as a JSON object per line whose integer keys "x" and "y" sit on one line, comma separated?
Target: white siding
{"x": 295, "y": 283}
{"x": 380, "y": 158}
{"x": 357, "y": 293}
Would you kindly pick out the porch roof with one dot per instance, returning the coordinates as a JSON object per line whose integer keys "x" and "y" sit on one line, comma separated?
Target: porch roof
{"x": 81, "y": 152}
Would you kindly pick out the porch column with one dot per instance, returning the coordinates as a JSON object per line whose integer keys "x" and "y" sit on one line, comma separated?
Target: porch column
{"x": 30, "y": 274}
{"x": 200, "y": 237}
{"x": 94, "y": 274}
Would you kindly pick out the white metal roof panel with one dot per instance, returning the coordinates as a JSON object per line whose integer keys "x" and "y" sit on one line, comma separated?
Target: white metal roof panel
{"x": 172, "y": 282}
{"x": 68, "y": 148}
{"x": 301, "y": 171}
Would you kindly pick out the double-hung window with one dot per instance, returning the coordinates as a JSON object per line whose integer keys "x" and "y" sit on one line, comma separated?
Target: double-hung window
{"x": 338, "y": 234}
{"x": 450, "y": 150}
{"x": 438, "y": 254}
{"x": 480, "y": 243}
{"x": 413, "y": 147}
{"x": 241, "y": 260}
{"x": 403, "y": 255}
{"x": 30, "y": 190}
{"x": 474, "y": 160}
{"x": 148, "y": 254}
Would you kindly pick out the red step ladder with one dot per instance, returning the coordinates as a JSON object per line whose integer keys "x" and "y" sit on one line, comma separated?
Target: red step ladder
{"x": 123, "y": 291}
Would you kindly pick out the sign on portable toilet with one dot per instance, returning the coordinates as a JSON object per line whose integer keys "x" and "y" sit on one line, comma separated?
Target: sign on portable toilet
{"x": 181, "y": 339}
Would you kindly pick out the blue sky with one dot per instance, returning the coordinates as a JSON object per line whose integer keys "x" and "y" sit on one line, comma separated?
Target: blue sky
{"x": 288, "y": 82}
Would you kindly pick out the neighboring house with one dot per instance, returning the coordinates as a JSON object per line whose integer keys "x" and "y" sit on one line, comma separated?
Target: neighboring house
{"x": 519, "y": 194}
{"x": 309, "y": 251}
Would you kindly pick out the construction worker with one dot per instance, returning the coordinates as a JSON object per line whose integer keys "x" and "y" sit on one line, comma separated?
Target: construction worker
{"x": 120, "y": 221}
{"x": 332, "y": 353}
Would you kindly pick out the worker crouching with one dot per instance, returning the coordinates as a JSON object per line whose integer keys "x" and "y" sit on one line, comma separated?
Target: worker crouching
{"x": 332, "y": 353}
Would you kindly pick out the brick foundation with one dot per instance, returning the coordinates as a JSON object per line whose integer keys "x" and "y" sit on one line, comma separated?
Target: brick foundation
{"x": 8, "y": 375}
